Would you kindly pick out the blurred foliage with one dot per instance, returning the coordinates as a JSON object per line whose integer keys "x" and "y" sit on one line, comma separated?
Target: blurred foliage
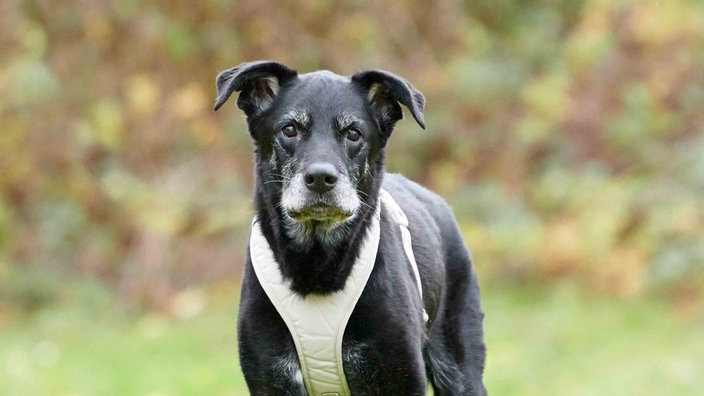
{"x": 567, "y": 134}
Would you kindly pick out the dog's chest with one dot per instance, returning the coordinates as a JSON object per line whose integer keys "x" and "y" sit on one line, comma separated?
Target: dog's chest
{"x": 354, "y": 357}
{"x": 358, "y": 368}
{"x": 316, "y": 323}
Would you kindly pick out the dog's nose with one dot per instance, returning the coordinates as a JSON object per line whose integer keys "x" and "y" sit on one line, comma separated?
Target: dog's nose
{"x": 321, "y": 177}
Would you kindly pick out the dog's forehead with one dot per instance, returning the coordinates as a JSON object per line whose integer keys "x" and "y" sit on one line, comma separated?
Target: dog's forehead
{"x": 322, "y": 98}
{"x": 324, "y": 76}
{"x": 325, "y": 87}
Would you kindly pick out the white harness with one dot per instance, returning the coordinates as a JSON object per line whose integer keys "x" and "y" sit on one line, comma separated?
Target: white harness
{"x": 317, "y": 323}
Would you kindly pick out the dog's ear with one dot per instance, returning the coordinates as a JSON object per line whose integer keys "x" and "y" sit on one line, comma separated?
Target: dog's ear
{"x": 259, "y": 83}
{"x": 385, "y": 91}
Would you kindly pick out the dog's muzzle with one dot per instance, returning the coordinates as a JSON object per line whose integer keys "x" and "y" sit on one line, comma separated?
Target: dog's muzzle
{"x": 320, "y": 193}
{"x": 320, "y": 213}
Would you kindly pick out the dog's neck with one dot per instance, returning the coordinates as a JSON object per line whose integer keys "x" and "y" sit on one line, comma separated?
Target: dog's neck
{"x": 316, "y": 267}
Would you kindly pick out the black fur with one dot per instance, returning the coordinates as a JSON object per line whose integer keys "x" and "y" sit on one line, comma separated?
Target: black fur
{"x": 299, "y": 122}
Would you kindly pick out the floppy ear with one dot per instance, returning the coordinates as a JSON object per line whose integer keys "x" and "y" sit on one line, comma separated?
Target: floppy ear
{"x": 385, "y": 91}
{"x": 258, "y": 82}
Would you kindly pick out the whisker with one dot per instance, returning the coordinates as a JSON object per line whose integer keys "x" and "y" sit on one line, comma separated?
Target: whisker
{"x": 275, "y": 181}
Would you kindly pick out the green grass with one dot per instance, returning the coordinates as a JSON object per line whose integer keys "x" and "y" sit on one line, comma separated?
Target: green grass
{"x": 566, "y": 342}
{"x": 557, "y": 341}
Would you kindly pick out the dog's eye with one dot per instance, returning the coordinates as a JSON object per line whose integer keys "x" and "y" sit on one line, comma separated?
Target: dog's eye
{"x": 353, "y": 135}
{"x": 289, "y": 130}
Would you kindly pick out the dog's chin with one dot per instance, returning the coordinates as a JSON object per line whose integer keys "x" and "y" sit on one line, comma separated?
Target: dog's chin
{"x": 321, "y": 214}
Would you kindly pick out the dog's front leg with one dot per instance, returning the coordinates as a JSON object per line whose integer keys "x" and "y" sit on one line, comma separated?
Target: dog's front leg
{"x": 267, "y": 354}
{"x": 274, "y": 375}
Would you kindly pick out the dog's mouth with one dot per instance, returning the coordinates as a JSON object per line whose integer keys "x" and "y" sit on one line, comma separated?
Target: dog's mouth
{"x": 320, "y": 212}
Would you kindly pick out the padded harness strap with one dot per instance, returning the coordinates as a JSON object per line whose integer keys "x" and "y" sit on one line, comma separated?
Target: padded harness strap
{"x": 317, "y": 322}
{"x": 400, "y": 218}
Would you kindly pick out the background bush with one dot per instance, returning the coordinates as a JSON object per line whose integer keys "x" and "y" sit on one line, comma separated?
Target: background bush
{"x": 568, "y": 135}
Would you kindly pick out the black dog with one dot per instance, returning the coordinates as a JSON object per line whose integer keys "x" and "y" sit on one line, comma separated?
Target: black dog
{"x": 320, "y": 141}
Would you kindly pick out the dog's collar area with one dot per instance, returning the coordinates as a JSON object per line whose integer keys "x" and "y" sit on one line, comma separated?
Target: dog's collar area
{"x": 317, "y": 322}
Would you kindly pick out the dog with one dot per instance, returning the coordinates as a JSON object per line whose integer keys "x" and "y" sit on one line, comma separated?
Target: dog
{"x": 320, "y": 143}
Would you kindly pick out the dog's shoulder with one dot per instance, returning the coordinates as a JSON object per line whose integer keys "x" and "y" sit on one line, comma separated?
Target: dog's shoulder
{"x": 421, "y": 205}
{"x": 411, "y": 196}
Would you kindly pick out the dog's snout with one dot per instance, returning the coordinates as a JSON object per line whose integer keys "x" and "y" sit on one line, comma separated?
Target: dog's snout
{"x": 321, "y": 177}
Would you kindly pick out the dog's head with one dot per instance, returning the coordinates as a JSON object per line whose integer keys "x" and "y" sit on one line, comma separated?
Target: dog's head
{"x": 319, "y": 139}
